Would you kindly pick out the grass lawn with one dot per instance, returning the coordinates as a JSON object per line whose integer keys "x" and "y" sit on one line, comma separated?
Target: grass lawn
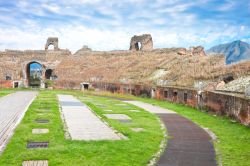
{"x": 4, "y": 92}
{"x": 137, "y": 150}
{"x": 233, "y": 138}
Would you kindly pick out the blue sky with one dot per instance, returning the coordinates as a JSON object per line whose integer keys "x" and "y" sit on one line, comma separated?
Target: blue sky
{"x": 35, "y": 66}
{"x": 109, "y": 24}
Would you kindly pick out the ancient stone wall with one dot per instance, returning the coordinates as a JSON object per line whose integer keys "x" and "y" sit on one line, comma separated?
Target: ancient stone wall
{"x": 247, "y": 90}
{"x": 144, "y": 40}
{"x": 13, "y": 63}
{"x": 177, "y": 95}
{"x": 234, "y": 106}
{"x": 199, "y": 50}
{"x": 192, "y": 51}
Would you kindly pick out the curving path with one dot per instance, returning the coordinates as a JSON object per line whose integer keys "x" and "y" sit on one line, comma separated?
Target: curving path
{"x": 12, "y": 110}
{"x": 188, "y": 144}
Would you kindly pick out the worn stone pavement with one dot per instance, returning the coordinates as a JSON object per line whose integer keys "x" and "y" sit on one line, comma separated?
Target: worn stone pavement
{"x": 82, "y": 123}
{"x": 12, "y": 110}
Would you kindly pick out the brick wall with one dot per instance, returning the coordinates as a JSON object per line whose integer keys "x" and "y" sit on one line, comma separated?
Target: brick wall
{"x": 236, "y": 107}
{"x": 177, "y": 95}
{"x": 5, "y": 84}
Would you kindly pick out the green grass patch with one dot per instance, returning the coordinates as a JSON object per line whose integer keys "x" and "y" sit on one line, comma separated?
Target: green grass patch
{"x": 4, "y": 92}
{"x": 137, "y": 150}
{"x": 233, "y": 138}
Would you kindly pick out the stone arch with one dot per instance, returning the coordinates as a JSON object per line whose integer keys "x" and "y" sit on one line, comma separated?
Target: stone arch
{"x": 39, "y": 73}
{"x": 52, "y": 41}
{"x": 51, "y": 47}
{"x": 143, "y": 42}
{"x": 138, "y": 46}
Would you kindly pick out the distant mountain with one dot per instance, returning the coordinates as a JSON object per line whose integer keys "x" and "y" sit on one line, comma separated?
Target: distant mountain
{"x": 234, "y": 52}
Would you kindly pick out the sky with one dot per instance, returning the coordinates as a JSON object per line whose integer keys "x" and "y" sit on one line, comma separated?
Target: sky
{"x": 35, "y": 66}
{"x": 110, "y": 24}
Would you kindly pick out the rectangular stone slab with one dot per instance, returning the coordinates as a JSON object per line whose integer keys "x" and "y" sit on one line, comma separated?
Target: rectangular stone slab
{"x": 137, "y": 129}
{"x": 117, "y": 116}
{"x": 40, "y": 131}
{"x": 34, "y": 145}
{"x": 35, "y": 163}
{"x": 42, "y": 121}
{"x": 82, "y": 123}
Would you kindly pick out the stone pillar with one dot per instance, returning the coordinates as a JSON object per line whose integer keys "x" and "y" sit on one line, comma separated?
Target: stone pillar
{"x": 247, "y": 90}
{"x": 153, "y": 91}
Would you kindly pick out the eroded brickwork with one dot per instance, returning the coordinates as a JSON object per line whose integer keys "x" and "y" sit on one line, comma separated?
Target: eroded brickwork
{"x": 145, "y": 41}
{"x": 236, "y": 107}
{"x": 13, "y": 64}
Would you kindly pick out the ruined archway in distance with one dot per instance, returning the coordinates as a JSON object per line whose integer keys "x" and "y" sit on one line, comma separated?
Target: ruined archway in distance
{"x": 51, "y": 47}
{"x": 34, "y": 74}
{"x": 143, "y": 42}
{"x": 138, "y": 46}
{"x": 52, "y": 41}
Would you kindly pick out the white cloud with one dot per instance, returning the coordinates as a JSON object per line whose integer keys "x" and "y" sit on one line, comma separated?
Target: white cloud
{"x": 52, "y": 7}
{"x": 177, "y": 8}
{"x": 69, "y": 37}
{"x": 74, "y": 37}
{"x": 227, "y": 6}
{"x": 109, "y": 24}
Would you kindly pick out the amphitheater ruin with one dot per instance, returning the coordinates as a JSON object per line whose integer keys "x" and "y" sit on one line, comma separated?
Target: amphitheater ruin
{"x": 15, "y": 64}
{"x": 168, "y": 74}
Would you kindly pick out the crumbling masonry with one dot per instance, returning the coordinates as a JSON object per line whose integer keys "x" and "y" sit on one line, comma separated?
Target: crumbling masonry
{"x": 71, "y": 70}
{"x": 145, "y": 41}
{"x": 52, "y": 41}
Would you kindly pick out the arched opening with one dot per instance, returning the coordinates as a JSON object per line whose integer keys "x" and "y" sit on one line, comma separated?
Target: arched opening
{"x": 48, "y": 73}
{"x": 51, "y": 47}
{"x": 138, "y": 46}
{"x": 34, "y": 74}
{"x": 8, "y": 77}
{"x": 175, "y": 94}
{"x": 228, "y": 79}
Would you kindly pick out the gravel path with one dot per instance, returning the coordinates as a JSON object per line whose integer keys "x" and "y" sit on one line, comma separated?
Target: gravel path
{"x": 12, "y": 110}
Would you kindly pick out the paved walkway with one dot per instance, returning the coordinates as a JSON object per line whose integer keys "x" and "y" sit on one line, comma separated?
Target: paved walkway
{"x": 188, "y": 144}
{"x": 151, "y": 108}
{"x": 12, "y": 110}
{"x": 82, "y": 123}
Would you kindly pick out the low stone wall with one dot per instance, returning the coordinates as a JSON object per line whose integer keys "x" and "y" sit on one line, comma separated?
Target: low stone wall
{"x": 177, "y": 95}
{"x": 236, "y": 107}
{"x": 137, "y": 90}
